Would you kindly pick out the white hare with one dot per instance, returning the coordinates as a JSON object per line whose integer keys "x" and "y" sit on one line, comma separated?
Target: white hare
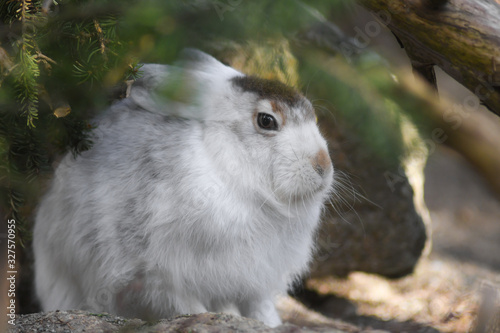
{"x": 207, "y": 200}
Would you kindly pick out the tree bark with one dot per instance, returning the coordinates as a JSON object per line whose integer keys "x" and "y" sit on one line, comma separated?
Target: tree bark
{"x": 460, "y": 36}
{"x": 474, "y": 135}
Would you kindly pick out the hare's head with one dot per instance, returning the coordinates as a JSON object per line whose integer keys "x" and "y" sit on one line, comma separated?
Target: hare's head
{"x": 278, "y": 125}
{"x": 261, "y": 134}
{"x": 266, "y": 133}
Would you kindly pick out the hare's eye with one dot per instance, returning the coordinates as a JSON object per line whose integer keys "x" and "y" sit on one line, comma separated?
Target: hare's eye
{"x": 267, "y": 122}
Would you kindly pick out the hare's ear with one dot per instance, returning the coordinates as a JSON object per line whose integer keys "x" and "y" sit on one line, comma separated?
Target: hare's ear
{"x": 171, "y": 91}
{"x": 143, "y": 90}
{"x": 196, "y": 56}
{"x": 197, "y": 60}
{"x": 181, "y": 89}
{"x": 152, "y": 75}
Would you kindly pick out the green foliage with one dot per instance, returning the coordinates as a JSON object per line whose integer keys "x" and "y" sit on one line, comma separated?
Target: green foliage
{"x": 50, "y": 64}
{"x": 26, "y": 71}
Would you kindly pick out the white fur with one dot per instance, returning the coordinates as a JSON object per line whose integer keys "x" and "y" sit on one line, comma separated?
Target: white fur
{"x": 182, "y": 206}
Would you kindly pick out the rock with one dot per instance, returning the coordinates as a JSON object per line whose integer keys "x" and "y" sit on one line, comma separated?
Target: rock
{"x": 81, "y": 321}
{"x": 378, "y": 220}
{"x": 71, "y": 321}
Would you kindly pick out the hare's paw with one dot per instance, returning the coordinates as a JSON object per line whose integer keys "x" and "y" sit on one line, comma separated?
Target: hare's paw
{"x": 263, "y": 310}
{"x": 188, "y": 305}
{"x": 229, "y": 308}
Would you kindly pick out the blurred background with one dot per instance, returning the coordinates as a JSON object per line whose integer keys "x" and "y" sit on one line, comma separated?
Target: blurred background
{"x": 411, "y": 239}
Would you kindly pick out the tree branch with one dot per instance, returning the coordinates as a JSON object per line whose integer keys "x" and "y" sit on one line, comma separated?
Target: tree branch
{"x": 460, "y": 36}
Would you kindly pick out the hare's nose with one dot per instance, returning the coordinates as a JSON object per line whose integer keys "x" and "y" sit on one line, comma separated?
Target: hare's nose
{"x": 321, "y": 162}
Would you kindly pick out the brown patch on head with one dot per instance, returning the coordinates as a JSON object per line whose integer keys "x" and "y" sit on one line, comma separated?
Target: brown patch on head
{"x": 268, "y": 89}
{"x": 278, "y": 110}
{"x": 285, "y": 100}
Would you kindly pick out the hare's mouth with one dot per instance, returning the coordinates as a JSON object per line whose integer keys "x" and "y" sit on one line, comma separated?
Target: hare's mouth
{"x": 325, "y": 182}
{"x": 311, "y": 192}
{"x": 302, "y": 181}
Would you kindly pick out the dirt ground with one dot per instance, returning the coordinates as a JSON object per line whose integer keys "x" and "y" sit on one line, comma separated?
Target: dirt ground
{"x": 457, "y": 281}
